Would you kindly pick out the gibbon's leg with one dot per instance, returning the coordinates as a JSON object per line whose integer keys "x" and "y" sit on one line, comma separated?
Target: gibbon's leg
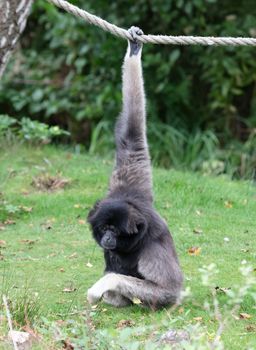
{"x": 115, "y": 299}
{"x": 132, "y": 155}
{"x": 129, "y": 287}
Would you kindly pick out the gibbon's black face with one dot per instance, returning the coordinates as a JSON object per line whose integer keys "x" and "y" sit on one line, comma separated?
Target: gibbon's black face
{"x": 116, "y": 225}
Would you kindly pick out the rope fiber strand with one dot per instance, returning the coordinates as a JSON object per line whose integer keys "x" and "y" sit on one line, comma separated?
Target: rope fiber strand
{"x": 152, "y": 39}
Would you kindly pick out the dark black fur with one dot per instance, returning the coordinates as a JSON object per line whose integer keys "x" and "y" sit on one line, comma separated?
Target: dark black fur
{"x": 131, "y": 232}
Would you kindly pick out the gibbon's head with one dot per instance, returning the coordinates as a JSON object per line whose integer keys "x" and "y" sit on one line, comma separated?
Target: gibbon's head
{"x": 117, "y": 225}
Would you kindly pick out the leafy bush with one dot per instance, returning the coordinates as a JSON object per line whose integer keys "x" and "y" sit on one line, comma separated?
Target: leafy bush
{"x": 36, "y": 132}
{"x": 29, "y": 130}
{"x": 68, "y": 73}
{"x": 5, "y": 123}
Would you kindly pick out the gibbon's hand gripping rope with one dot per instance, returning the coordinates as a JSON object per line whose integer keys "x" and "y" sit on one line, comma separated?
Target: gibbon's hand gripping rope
{"x": 152, "y": 39}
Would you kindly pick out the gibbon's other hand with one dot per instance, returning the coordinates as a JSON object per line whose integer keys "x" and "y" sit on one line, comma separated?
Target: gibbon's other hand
{"x": 135, "y": 45}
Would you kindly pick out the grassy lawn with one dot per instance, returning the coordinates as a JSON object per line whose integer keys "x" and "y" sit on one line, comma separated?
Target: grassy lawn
{"x": 49, "y": 252}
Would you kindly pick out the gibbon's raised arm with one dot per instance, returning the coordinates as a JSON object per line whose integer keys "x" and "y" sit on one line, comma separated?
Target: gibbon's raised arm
{"x": 132, "y": 157}
{"x": 134, "y": 109}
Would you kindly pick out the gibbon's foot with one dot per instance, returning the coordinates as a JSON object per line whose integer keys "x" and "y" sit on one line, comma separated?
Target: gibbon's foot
{"x": 115, "y": 299}
{"x": 106, "y": 283}
{"x": 135, "y": 45}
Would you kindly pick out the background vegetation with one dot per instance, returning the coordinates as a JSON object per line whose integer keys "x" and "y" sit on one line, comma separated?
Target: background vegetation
{"x": 201, "y": 100}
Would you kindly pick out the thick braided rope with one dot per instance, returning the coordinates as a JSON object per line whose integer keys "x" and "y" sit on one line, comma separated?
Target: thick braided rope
{"x": 153, "y": 39}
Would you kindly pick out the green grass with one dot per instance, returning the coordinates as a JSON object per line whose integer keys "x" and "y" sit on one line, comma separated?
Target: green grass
{"x": 62, "y": 244}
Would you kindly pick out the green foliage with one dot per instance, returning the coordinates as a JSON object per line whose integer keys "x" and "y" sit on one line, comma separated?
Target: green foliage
{"x": 28, "y": 130}
{"x": 7, "y": 129}
{"x": 36, "y": 132}
{"x": 7, "y": 209}
{"x": 181, "y": 149}
{"x": 68, "y": 73}
{"x": 5, "y": 123}
{"x": 68, "y": 67}
{"x": 194, "y": 151}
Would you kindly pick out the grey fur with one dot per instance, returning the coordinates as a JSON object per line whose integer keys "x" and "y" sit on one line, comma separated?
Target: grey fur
{"x": 158, "y": 264}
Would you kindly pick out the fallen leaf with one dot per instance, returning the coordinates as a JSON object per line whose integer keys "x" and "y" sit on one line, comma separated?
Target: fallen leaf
{"x": 194, "y": 251}
{"x": 236, "y": 317}
{"x": 251, "y": 328}
{"x": 245, "y": 250}
{"x": 82, "y": 222}
{"x": 198, "y": 212}
{"x": 136, "y": 301}
{"x": 222, "y": 289}
{"x": 228, "y": 204}
{"x": 181, "y": 310}
{"x": 197, "y": 231}
{"x": 29, "y": 258}
{"x": 69, "y": 290}
{"x": 67, "y": 344}
{"x": 94, "y": 307}
{"x": 226, "y": 239}
{"x": 51, "y": 255}
{"x": 77, "y": 206}
{"x": 26, "y": 209}
{"x": 198, "y": 319}
{"x": 89, "y": 264}
{"x": 244, "y": 316}
{"x": 72, "y": 256}
{"x": 125, "y": 323}
{"x": 2, "y": 243}
{"x": 9, "y": 222}
{"x": 62, "y": 270}
{"x": 28, "y": 241}
{"x": 25, "y": 193}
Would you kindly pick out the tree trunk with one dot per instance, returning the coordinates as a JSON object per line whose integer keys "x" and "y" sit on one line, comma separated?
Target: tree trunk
{"x": 13, "y": 18}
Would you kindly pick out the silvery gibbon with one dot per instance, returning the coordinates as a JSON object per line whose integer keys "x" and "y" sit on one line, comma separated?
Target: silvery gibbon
{"x": 141, "y": 261}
